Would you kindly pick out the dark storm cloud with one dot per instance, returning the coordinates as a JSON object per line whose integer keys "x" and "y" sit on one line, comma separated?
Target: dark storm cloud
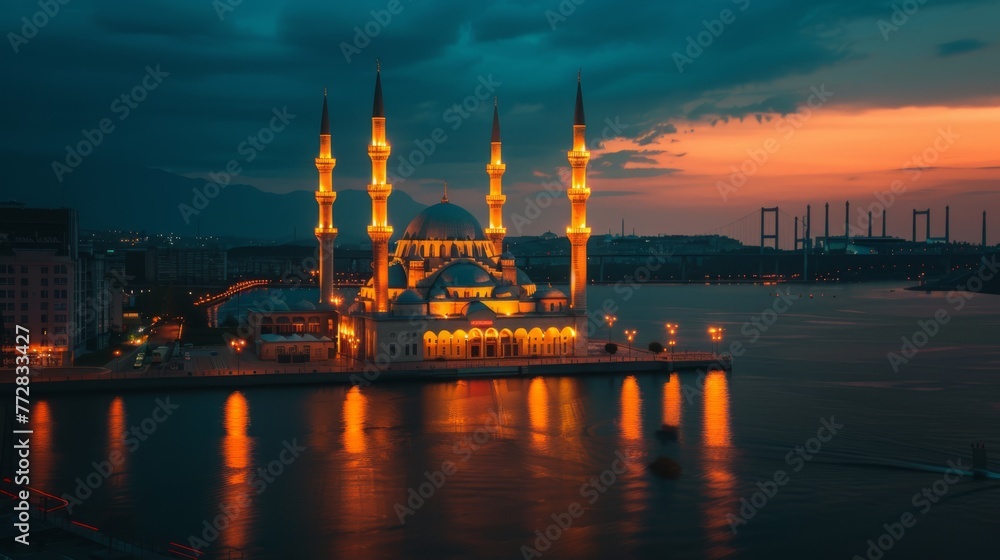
{"x": 612, "y": 165}
{"x": 654, "y": 133}
{"x": 226, "y": 75}
{"x": 961, "y": 46}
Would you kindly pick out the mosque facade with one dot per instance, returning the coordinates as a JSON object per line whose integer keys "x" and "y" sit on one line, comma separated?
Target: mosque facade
{"x": 449, "y": 291}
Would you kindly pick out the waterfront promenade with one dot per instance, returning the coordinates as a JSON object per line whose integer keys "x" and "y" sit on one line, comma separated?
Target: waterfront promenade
{"x": 218, "y": 366}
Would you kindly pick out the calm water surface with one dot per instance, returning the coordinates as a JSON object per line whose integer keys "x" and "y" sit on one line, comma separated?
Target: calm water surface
{"x": 525, "y": 449}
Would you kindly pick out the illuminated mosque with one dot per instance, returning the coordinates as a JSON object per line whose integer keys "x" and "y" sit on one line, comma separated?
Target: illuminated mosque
{"x": 449, "y": 291}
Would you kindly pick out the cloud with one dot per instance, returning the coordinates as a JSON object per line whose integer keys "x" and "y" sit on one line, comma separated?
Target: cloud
{"x": 961, "y": 46}
{"x": 616, "y": 165}
{"x": 654, "y": 133}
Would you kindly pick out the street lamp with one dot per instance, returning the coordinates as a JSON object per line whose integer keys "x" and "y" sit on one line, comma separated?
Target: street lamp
{"x": 671, "y": 333}
{"x": 716, "y": 334}
{"x": 118, "y": 362}
{"x": 237, "y": 348}
{"x": 630, "y": 335}
{"x": 609, "y": 320}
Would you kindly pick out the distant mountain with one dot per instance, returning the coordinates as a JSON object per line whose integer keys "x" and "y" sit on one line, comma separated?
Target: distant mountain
{"x": 113, "y": 195}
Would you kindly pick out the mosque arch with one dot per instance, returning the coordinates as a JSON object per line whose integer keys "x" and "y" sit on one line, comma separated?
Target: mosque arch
{"x": 553, "y": 342}
{"x": 491, "y": 343}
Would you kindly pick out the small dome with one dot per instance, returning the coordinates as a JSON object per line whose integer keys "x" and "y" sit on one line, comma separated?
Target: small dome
{"x": 438, "y": 292}
{"x": 465, "y": 274}
{"x": 550, "y": 293}
{"x": 507, "y": 256}
{"x": 409, "y": 297}
{"x": 445, "y": 221}
{"x": 478, "y": 310}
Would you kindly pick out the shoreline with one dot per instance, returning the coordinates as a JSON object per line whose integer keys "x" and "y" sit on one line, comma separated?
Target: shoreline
{"x": 375, "y": 376}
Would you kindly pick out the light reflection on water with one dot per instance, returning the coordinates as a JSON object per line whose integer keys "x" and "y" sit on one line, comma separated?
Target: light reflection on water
{"x": 237, "y": 490}
{"x": 367, "y": 447}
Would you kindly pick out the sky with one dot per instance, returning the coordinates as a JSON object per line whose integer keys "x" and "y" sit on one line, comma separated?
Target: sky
{"x": 699, "y": 112}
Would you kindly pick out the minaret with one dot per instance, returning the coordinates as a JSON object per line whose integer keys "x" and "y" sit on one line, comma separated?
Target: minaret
{"x": 495, "y": 169}
{"x": 578, "y": 193}
{"x": 379, "y": 231}
{"x": 325, "y": 232}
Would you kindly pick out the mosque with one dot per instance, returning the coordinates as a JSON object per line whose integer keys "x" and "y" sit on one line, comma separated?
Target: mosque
{"x": 449, "y": 291}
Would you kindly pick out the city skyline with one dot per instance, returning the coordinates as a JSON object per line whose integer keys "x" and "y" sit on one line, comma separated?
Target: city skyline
{"x": 679, "y": 98}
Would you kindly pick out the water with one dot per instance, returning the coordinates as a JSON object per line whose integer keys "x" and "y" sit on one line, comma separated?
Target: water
{"x": 522, "y": 450}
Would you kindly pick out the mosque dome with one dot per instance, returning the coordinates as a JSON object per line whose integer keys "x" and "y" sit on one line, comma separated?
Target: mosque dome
{"x": 409, "y": 297}
{"x": 445, "y": 221}
{"x": 550, "y": 293}
{"x": 465, "y": 274}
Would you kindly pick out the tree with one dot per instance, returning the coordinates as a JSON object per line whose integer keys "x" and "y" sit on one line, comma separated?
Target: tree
{"x": 611, "y": 348}
{"x": 655, "y": 347}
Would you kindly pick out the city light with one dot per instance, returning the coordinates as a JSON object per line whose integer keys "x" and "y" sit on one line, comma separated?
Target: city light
{"x": 630, "y": 335}
{"x": 671, "y": 336}
{"x": 715, "y": 333}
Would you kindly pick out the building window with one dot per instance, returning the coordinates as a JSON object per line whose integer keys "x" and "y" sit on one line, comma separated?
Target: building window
{"x": 45, "y": 293}
{"x": 45, "y": 270}
{"x": 45, "y": 306}
{"x": 45, "y": 282}
{"x": 24, "y": 281}
{"x": 24, "y": 306}
{"x": 45, "y": 319}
